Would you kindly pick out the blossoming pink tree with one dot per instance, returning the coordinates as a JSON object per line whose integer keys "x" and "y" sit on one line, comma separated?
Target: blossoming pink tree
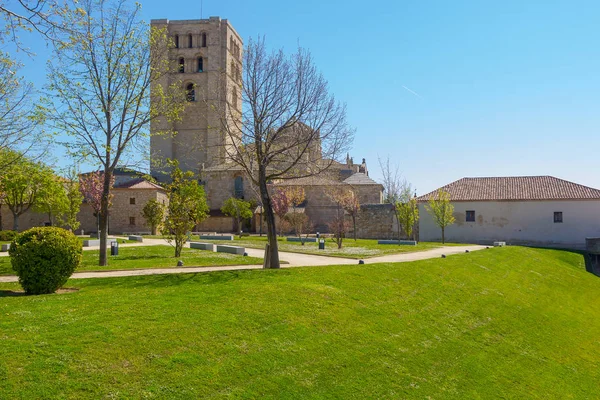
{"x": 92, "y": 187}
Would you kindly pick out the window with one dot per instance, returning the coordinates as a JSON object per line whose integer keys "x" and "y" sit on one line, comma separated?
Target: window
{"x": 558, "y": 217}
{"x": 181, "y": 65}
{"x": 190, "y": 92}
{"x": 200, "y": 64}
{"x": 190, "y": 43}
{"x": 470, "y": 216}
{"x": 131, "y": 220}
{"x": 203, "y": 39}
{"x": 239, "y": 187}
{"x": 234, "y": 98}
{"x": 132, "y": 200}
{"x": 176, "y": 39}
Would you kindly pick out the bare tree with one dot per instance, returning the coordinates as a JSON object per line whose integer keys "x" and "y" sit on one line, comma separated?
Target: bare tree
{"x": 100, "y": 77}
{"x": 394, "y": 185}
{"x": 291, "y": 125}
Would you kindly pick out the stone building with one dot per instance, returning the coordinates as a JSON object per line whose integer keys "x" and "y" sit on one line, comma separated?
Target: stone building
{"x": 207, "y": 63}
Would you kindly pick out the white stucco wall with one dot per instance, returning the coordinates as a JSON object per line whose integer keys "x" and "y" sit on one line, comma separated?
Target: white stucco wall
{"x": 524, "y": 222}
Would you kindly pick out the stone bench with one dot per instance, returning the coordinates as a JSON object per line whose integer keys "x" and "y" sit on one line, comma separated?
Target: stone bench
{"x": 136, "y": 238}
{"x": 96, "y": 242}
{"x": 400, "y": 242}
{"x": 222, "y": 248}
{"x": 499, "y": 244}
{"x": 306, "y": 240}
{"x": 202, "y": 246}
{"x": 216, "y": 237}
{"x": 5, "y": 247}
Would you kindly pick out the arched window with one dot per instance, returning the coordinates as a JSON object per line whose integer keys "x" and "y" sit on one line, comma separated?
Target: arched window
{"x": 200, "y": 64}
{"x": 181, "y": 67}
{"x": 239, "y": 187}
{"x": 190, "y": 92}
{"x": 238, "y": 73}
{"x": 203, "y": 39}
{"x": 232, "y": 72}
{"x": 176, "y": 41}
{"x": 190, "y": 43}
{"x": 234, "y": 98}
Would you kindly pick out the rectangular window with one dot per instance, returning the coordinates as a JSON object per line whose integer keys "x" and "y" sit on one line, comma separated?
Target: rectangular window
{"x": 132, "y": 200}
{"x": 558, "y": 217}
{"x": 131, "y": 220}
{"x": 470, "y": 216}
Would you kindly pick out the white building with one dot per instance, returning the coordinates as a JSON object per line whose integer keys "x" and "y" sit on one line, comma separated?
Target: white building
{"x": 535, "y": 210}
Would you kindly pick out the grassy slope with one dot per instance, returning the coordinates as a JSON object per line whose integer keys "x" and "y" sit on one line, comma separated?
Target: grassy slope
{"x": 150, "y": 257}
{"x": 499, "y": 323}
{"x": 361, "y": 248}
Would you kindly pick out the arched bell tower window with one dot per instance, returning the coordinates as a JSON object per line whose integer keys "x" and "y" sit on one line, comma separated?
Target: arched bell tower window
{"x": 203, "y": 39}
{"x": 234, "y": 98}
{"x": 181, "y": 65}
{"x": 176, "y": 41}
{"x": 190, "y": 43}
{"x": 190, "y": 92}
{"x": 200, "y": 64}
{"x": 239, "y": 187}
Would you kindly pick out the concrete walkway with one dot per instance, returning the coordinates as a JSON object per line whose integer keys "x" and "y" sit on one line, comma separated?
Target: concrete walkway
{"x": 293, "y": 259}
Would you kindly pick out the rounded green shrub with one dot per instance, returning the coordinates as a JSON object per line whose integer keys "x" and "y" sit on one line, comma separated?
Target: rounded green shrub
{"x": 7, "y": 235}
{"x": 44, "y": 258}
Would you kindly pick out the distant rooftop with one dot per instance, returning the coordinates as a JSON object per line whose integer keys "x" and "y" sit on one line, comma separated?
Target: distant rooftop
{"x": 515, "y": 188}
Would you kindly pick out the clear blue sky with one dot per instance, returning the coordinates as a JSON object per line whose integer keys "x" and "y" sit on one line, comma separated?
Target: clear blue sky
{"x": 447, "y": 89}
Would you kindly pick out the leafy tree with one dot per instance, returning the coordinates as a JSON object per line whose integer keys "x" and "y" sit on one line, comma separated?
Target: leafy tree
{"x": 281, "y": 205}
{"x": 74, "y": 201}
{"x": 407, "y": 214}
{"x": 187, "y": 207}
{"x": 290, "y": 126}
{"x": 154, "y": 214}
{"x": 101, "y": 74}
{"x": 441, "y": 210}
{"x": 53, "y": 199}
{"x": 91, "y": 186}
{"x": 23, "y": 183}
{"x": 238, "y": 209}
{"x": 348, "y": 200}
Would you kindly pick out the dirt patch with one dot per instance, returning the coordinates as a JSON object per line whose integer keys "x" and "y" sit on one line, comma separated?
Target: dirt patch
{"x": 18, "y": 293}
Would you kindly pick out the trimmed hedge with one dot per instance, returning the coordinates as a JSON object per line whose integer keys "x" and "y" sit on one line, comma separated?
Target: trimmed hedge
{"x": 45, "y": 258}
{"x": 6, "y": 236}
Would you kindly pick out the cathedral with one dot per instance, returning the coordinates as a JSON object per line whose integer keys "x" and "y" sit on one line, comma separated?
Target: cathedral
{"x": 207, "y": 62}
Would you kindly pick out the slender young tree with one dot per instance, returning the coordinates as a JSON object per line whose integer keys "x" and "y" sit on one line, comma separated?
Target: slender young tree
{"x": 284, "y": 125}
{"x": 154, "y": 214}
{"x": 407, "y": 215}
{"x": 101, "y": 75}
{"x": 238, "y": 209}
{"x": 52, "y": 199}
{"x": 441, "y": 210}
{"x": 74, "y": 201}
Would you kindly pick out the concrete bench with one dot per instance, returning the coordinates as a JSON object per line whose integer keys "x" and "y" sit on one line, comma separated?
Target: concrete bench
{"x": 306, "y": 240}
{"x": 96, "y": 242}
{"x": 216, "y": 237}
{"x": 400, "y": 242}
{"x": 5, "y": 247}
{"x": 222, "y": 248}
{"x": 202, "y": 246}
{"x": 499, "y": 244}
{"x": 136, "y": 238}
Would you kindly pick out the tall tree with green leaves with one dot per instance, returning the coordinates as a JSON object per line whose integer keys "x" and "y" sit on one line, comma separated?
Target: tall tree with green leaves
{"x": 22, "y": 184}
{"x": 407, "y": 215}
{"x": 101, "y": 76}
{"x": 238, "y": 209}
{"x": 74, "y": 200}
{"x": 187, "y": 207}
{"x": 52, "y": 199}
{"x": 154, "y": 214}
{"x": 441, "y": 210}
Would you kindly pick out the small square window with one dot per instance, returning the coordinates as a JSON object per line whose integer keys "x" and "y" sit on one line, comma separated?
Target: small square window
{"x": 470, "y": 216}
{"x": 558, "y": 217}
{"x": 132, "y": 200}
{"x": 131, "y": 220}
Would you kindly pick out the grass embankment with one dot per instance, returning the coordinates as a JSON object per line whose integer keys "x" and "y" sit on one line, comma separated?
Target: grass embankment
{"x": 361, "y": 248}
{"x": 150, "y": 257}
{"x": 499, "y": 323}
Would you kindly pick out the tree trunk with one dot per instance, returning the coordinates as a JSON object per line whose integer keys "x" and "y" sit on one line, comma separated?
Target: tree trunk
{"x": 104, "y": 217}
{"x": 271, "y": 251}
{"x": 154, "y": 229}
{"x": 1, "y": 222}
{"x": 15, "y": 222}
{"x": 178, "y": 247}
{"x": 354, "y": 226}
{"x": 443, "y": 237}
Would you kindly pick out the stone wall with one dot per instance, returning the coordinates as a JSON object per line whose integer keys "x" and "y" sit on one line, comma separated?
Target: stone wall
{"x": 217, "y": 224}
{"x": 376, "y": 221}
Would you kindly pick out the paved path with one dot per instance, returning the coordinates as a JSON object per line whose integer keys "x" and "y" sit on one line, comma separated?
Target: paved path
{"x": 293, "y": 259}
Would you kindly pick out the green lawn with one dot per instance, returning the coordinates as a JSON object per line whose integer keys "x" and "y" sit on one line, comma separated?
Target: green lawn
{"x": 501, "y": 323}
{"x": 361, "y": 248}
{"x": 150, "y": 257}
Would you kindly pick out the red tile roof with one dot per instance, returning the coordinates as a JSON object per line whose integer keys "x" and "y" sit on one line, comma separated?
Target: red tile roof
{"x": 515, "y": 188}
{"x": 138, "y": 183}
